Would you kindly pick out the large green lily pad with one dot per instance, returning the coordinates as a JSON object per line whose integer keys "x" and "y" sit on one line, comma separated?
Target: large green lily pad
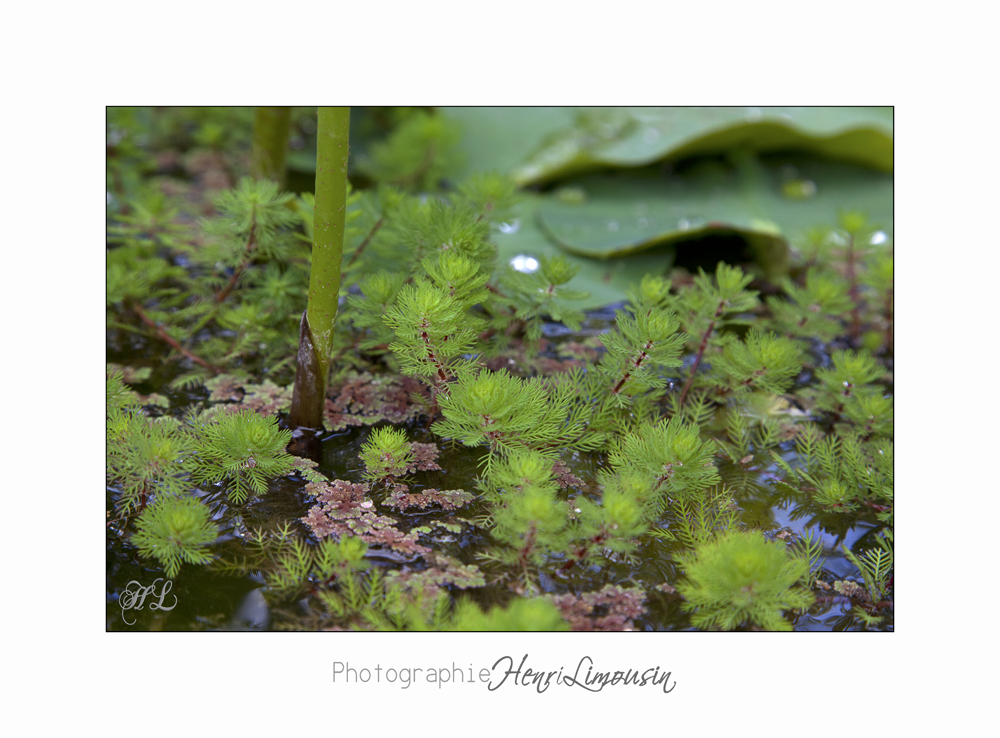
{"x": 619, "y": 226}
{"x": 606, "y": 281}
{"x": 538, "y": 145}
{"x": 501, "y": 139}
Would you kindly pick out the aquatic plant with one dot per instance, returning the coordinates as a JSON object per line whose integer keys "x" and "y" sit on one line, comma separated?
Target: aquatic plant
{"x": 387, "y": 455}
{"x": 509, "y": 414}
{"x": 145, "y": 457}
{"x": 634, "y": 448}
{"x": 242, "y": 259}
{"x": 761, "y": 362}
{"x": 433, "y": 330}
{"x": 270, "y": 142}
{"x": 320, "y": 316}
{"x": 708, "y": 307}
{"x": 875, "y": 565}
{"x": 528, "y": 516}
{"x": 525, "y": 300}
{"x": 520, "y": 615}
{"x": 841, "y": 473}
{"x": 416, "y": 154}
{"x": 670, "y": 455}
{"x": 646, "y": 340}
{"x": 242, "y": 451}
{"x": 845, "y": 391}
{"x": 174, "y": 530}
{"x": 611, "y": 608}
{"x": 741, "y": 578}
{"x": 812, "y": 311}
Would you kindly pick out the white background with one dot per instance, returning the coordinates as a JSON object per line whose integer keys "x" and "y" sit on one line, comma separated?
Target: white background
{"x": 65, "y": 64}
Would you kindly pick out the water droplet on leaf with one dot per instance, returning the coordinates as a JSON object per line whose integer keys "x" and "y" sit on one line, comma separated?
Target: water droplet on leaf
{"x": 524, "y": 263}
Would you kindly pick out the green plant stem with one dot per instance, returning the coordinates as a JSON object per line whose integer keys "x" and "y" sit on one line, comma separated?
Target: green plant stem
{"x": 852, "y": 278}
{"x": 701, "y": 352}
{"x": 636, "y": 363}
{"x": 441, "y": 380}
{"x": 222, "y": 294}
{"x": 316, "y": 328}
{"x": 162, "y": 334}
{"x": 368, "y": 238}
{"x": 270, "y": 142}
{"x": 251, "y": 243}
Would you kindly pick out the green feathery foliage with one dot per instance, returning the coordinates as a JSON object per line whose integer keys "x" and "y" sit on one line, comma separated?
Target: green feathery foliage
{"x": 880, "y": 280}
{"x": 629, "y": 506}
{"x": 341, "y": 588}
{"x": 417, "y": 154}
{"x": 386, "y": 455}
{"x": 527, "y": 298}
{"x": 841, "y": 473}
{"x": 145, "y": 457}
{"x": 118, "y": 395}
{"x": 420, "y": 228}
{"x": 243, "y": 451}
{"x": 520, "y": 615}
{"x": 696, "y": 521}
{"x": 252, "y": 227}
{"x": 762, "y": 362}
{"x": 433, "y": 330}
{"x": 813, "y": 311}
{"x": 509, "y": 413}
{"x": 531, "y": 521}
{"x": 845, "y": 392}
{"x": 174, "y": 530}
{"x": 297, "y": 566}
{"x": 749, "y": 434}
{"x": 354, "y": 595}
{"x": 670, "y": 455}
{"x": 809, "y": 548}
{"x": 875, "y": 565}
{"x": 743, "y": 579}
{"x": 229, "y": 306}
{"x": 645, "y": 342}
{"x": 710, "y": 306}
{"x": 528, "y": 517}
{"x": 696, "y": 383}
{"x": 489, "y": 194}
{"x": 148, "y": 457}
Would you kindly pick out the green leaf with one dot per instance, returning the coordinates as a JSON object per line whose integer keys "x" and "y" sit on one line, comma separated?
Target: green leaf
{"x": 635, "y": 137}
{"x": 628, "y": 213}
{"x": 606, "y": 281}
{"x": 500, "y": 139}
{"x": 619, "y": 227}
{"x": 543, "y": 144}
